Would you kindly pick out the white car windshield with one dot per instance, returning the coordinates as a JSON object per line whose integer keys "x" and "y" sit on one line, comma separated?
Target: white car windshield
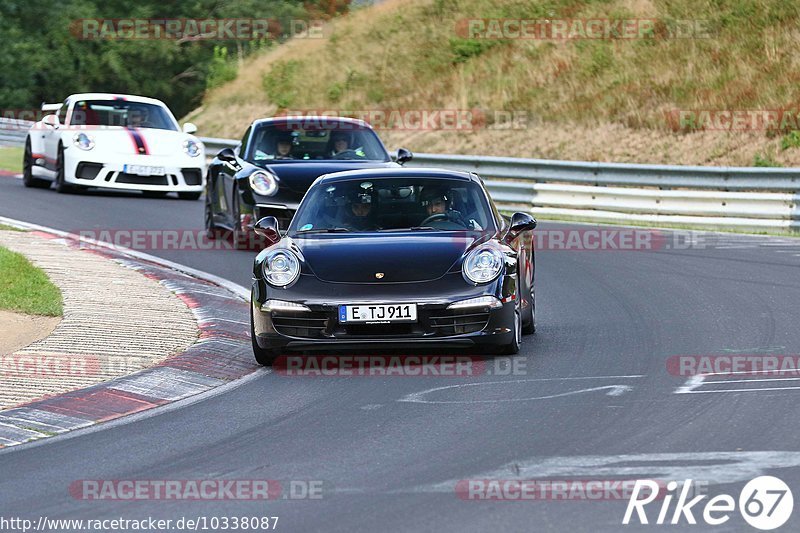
{"x": 121, "y": 113}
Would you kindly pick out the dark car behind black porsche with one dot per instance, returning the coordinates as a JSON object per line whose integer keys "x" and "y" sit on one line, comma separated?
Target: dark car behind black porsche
{"x": 275, "y": 163}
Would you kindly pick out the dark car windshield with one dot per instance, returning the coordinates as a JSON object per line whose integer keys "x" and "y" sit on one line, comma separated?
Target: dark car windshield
{"x": 301, "y": 141}
{"x": 121, "y": 113}
{"x": 393, "y": 204}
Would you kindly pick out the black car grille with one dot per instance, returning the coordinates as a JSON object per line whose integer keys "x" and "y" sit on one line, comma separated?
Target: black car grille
{"x": 306, "y": 325}
{"x": 459, "y": 321}
{"x": 380, "y": 330}
{"x": 192, "y": 176}
{"x": 134, "y": 179}
{"x": 88, "y": 171}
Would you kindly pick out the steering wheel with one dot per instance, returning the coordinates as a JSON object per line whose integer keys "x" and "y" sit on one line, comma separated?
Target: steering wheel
{"x": 437, "y": 216}
{"x": 347, "y": 154}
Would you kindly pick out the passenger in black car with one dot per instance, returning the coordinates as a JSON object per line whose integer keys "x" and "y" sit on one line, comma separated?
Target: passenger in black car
{"x": 359, "y": 215}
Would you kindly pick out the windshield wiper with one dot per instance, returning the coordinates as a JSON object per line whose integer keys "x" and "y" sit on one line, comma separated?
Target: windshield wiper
{"x": 412, "y": 228}
{"x": 324, "y": 230}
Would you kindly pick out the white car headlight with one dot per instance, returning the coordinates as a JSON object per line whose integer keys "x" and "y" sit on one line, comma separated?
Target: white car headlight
{"x": 263, "y": 183}
{"x": 83, "y": 141}
{"x": 483, "y": 265}
{"x": 192, "y": 148}
{"x": 281, "y": 268}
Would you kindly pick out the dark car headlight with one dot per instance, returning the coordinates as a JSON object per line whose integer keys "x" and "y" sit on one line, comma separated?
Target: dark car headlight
{"x": 482, "y": 265}
{"x": 281, "y": 267}
{"x": 263, "y": 183}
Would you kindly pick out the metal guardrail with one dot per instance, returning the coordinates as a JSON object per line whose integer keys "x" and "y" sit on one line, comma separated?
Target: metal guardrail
{"x": 13, "y": 132}
{"x": 711, "y": 197}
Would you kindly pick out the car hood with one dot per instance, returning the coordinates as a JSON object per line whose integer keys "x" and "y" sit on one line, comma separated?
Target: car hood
{"x": 401, "y": 258}
{"x": 298, "y": 176}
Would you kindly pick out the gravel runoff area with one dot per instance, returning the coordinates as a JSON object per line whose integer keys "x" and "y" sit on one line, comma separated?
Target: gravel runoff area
{"x": 116, "y": 321}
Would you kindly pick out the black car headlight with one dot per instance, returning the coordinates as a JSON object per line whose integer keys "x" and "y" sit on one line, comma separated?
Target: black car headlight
{"x": 263, "y": 183}
{"x": 483, "y": 265}
{"x": 281, "y": 268}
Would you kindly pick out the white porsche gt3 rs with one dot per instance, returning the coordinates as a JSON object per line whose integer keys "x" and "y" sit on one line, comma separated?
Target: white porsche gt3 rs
{"x": 114, "y": 142}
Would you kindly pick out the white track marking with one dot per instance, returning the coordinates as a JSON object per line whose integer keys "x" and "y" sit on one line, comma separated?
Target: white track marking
{"x": 692, "y": 383}
{"x": 613, "y": 390}
{"x": 711, "y": 467}
{"x": 751, "y": 380}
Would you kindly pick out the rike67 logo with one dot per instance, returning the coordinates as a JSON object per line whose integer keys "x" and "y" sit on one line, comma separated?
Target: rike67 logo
{"x": 765, "y": 503}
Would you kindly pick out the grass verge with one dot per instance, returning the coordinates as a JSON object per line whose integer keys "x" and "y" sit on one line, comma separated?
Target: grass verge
{"x": 25, "y": 288}
{"x": 11, "y": 159}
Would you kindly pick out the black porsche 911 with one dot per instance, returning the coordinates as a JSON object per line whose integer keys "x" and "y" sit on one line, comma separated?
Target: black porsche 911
{"x": 394, "y": 258}
{"x": 276, "y": 162}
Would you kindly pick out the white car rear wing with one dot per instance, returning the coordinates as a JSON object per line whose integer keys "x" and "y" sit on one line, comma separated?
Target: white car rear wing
{"x": 51, "y": 107}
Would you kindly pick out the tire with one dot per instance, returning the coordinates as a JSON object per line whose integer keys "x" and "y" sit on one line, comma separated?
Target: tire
{"x": 264, "y": 357}
{"x": 512, "y": 348}
{"x": 190, "y": 195}
{"x": 62, "y": 187}
{"x": 27, "y": 170}
{"x": 530, "y": 315}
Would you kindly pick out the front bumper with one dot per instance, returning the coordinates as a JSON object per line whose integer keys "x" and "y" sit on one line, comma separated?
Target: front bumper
{"x": 181, "y": 174}
{"x": 320, "y": 328}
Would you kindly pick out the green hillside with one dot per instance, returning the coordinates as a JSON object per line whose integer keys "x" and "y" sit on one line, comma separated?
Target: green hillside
{"x": 637, "y": 99}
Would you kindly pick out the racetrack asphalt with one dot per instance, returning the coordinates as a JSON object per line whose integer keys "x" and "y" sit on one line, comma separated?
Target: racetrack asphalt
{"x": 592, "y": 399}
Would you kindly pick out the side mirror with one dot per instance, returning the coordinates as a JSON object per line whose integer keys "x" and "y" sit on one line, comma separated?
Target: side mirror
{"x": 267, "y": 227}
{"x": 189, "y": 128}
{"x": 520, "y": 223}
{"x": 404, "y": 156}
{"x": 51, "y": 121}
{"x": 228, "y": 156}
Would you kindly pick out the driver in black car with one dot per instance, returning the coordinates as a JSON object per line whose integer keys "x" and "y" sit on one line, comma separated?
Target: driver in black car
{"x": 438, "y": 204}
{"x": 341, "y": 143}
{"x": 344, "y": 146}
{"x": 283, "y": 147}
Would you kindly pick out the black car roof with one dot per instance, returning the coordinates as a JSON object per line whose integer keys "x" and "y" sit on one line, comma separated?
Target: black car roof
{"x": 378, "y": 173}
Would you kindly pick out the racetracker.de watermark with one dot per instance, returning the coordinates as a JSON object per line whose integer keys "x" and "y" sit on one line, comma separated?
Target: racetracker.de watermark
{"x": 549, "y": 489}
{"x": 196, "y": 29}
{"x": 555, "y": 29}
{"x": 59, "y": 366}
{"x": 734, "y": 365}
{"x": 458, "y": 366}
{"x": 196, "y": 489}
{"x": 426, "y": 119}
{"x": 741, "y": 120}
{"x": 589, "y": 240}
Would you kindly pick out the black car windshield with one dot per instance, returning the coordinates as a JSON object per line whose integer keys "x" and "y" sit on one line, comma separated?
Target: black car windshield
{"x": 302, "y": 141}
{"x": 393, "y": 205}
{"x": 121, "y": 113}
